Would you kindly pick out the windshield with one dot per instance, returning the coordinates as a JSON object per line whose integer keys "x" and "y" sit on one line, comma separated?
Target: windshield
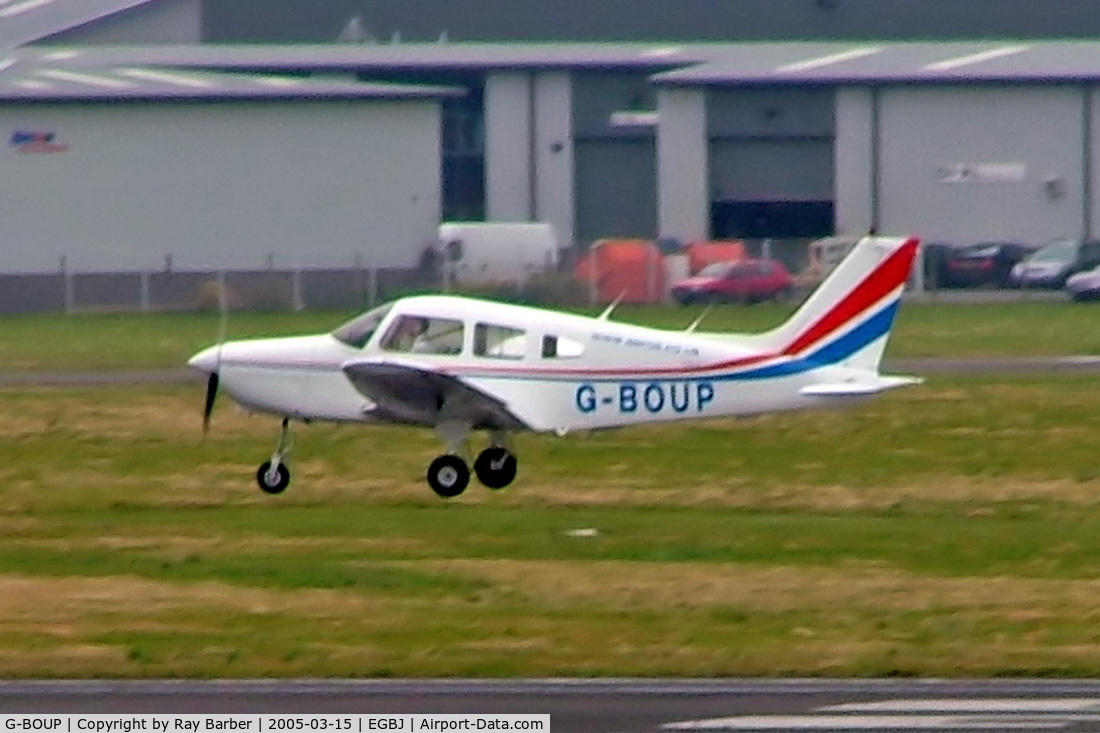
{"x": 357, "y": 332}
{"x": 1060, "y": 250}
{"x": 979, "y": 250}
{"x": 716, "y": 269}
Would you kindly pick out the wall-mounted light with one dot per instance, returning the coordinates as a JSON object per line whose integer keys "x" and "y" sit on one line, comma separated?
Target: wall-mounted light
{"x": 1054, "y": 187}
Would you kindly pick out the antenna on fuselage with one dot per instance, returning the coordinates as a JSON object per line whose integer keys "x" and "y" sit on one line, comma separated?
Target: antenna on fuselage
{"x": 606, "y": 315}
{"x": 697, "y": 321}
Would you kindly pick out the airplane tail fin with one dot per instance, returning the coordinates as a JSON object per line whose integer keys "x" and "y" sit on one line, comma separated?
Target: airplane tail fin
{"x": 847, "y": 319}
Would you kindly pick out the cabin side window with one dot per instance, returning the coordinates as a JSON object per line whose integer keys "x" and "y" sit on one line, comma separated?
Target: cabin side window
{"x": 560, "y": 347}
{"x": 499, "y": 342}
{"x": 424, "y": 335}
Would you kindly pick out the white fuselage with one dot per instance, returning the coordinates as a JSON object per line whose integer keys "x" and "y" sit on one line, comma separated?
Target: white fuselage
{"x": 600, "y": 373}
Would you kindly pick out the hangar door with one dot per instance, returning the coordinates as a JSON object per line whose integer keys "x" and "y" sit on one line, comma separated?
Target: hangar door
{"x": 776, "y": 189}
{"x": 616, "y": 188}
{"x": 971, "y": 163}
{"x": 771, "y": 162}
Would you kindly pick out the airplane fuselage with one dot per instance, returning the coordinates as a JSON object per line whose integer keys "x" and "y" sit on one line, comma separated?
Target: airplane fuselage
{"x": 671, "y": 375}
{"x": 457, "y": 364}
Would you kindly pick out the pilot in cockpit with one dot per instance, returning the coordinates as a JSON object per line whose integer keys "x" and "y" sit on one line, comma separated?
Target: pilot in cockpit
{"x": 408, "y": 335}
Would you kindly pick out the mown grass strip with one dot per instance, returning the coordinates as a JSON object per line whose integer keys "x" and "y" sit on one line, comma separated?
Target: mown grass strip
{"x": 947, "y": 529}
{"x": 105, "y": 342}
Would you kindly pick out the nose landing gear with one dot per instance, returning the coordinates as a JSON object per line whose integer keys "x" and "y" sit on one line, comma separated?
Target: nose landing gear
{"x": 273, "y": 476}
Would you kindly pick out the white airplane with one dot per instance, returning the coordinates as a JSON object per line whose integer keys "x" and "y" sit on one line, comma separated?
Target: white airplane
{"x": 457, "y": 365}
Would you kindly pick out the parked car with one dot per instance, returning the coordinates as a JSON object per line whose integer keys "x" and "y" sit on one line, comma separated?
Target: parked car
{"x": 1084, "y": 285}
{"x": 744, "y": 281}
{"x": 984, "y": 263}
{"x": 1053, "y": 263}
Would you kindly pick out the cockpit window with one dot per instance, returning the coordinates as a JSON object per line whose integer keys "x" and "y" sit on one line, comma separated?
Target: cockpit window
{"x": 357, "y": 332}
{"x": 499, "y": 342}
{"x": 424, "y": 335}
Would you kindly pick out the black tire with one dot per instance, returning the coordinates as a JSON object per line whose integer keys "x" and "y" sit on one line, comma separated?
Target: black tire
{"x": 282, "y": 478}
{"x": 448, "y": 476}
{"x": 495, "y": 467}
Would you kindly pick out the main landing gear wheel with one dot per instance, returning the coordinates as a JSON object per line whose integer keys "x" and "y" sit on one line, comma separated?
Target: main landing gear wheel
{"x": 448, "y": 476}
{"x": 273, "y": 481}
{"x": 495, "y": 467}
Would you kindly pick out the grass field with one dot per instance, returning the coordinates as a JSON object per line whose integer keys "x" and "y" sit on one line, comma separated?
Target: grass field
{"x": 102, "y": 342}
{"x": 948, "y": 529}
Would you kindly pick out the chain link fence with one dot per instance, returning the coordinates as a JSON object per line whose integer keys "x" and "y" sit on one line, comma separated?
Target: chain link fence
{"x": 268, "y": 289}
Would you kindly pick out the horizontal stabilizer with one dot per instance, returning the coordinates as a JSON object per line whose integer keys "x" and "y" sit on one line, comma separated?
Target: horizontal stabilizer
{"x": 858, "y": 387}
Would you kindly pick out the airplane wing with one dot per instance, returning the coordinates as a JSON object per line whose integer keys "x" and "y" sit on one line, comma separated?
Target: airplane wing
{"x": 409, "y": 392}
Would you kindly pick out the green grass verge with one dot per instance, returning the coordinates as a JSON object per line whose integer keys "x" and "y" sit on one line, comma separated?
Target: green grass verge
{"x": 948, "y": 529}
{"x": 103, "y": 342}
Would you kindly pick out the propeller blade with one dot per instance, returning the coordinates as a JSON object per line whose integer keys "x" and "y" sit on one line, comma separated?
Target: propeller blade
{"x": 211, "y": 395}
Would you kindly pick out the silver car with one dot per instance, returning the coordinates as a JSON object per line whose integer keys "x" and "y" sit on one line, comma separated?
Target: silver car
{"x": 1084, "y": 285}
{"x": 1054, "y": 262}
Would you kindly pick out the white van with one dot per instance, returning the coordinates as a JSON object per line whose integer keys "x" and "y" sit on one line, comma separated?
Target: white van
{"x": 487, "y": 252}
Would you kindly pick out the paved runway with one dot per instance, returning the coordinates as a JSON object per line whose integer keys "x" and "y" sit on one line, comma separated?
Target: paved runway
{"x": 613, "y": 706}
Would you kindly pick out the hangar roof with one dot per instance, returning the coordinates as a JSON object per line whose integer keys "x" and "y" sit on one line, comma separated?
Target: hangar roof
{"x": 22, "y": 81}
{"x": 394, "y": 57}
{"x": 686, "y": 64}
{"x": 25, "y": 21}
{"x": 866, "y": 62}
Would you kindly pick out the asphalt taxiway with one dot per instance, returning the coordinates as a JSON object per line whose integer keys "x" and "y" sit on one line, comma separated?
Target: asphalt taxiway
{"x": 610, "y": 706}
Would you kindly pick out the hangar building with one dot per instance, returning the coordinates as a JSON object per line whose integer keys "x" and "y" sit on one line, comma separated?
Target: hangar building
{"x": 100, "y": 21}
{"x": 261, "y": 21}
{"x": 127, "y": 167}
{"x": 958, "y": 141}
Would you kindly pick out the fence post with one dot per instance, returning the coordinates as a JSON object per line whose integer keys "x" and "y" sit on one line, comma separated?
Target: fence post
{"x": 357, "y": 283}
{"x": 223, "y": 295}
{"x": 68, "y": 292}
{"x": 144, "y": 297}
{"x": 372, "y": 286}
{"x": 296, "y": 290}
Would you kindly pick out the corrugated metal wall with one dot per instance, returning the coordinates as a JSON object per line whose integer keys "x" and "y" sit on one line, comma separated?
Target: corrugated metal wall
{"x": 971, "y": 163}
{"x": 226, "y": 185}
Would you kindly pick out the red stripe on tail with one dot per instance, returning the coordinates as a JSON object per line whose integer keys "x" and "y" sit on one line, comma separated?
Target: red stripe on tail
{"x": 880, "y": 281}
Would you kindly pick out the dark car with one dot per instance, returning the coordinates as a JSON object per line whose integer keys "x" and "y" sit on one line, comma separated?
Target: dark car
{"x": 985, "y": 263}
{"x": 1052, "y": 264}
{"x": 744, "y": 281}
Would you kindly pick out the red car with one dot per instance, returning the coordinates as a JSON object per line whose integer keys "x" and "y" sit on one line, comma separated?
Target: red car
{"x": 744, "y": 281}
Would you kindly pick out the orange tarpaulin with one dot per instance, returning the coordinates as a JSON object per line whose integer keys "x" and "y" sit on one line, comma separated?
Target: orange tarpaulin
{"x": 701, "y": 254}
{"x": 631, "y": 268}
